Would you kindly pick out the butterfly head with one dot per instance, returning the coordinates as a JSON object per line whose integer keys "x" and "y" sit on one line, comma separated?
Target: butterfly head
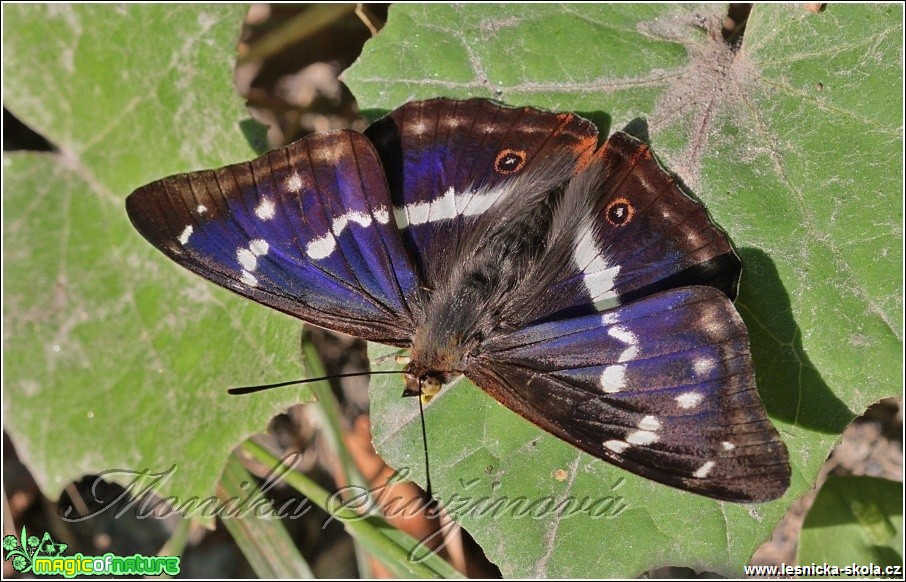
{"x": 428, "y": 371}
{"x": 436, "y": 360}
{"x": 425, "y": 383}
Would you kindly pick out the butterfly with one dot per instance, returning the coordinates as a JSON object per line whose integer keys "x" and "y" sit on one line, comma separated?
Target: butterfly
{"x": 577, "y": 285}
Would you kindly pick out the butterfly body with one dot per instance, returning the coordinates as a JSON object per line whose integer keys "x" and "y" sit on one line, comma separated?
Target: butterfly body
{"x": 577, "y": 285}
{"x": 469, "y": 305}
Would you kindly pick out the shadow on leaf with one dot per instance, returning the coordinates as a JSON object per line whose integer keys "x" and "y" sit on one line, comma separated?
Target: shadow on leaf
{"x": 790, "y": 386}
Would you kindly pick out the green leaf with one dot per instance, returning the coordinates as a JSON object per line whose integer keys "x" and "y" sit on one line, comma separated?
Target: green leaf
{"x": 794, "y": 143}
{"x": 115, "y": 358}
{"x": 854, "y": 520}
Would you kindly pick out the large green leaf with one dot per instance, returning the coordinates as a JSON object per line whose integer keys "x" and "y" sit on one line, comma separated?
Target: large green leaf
{"x": 115, "y": 358}
{"x": 794, "y": 143}
{"x": 854, "y": 520}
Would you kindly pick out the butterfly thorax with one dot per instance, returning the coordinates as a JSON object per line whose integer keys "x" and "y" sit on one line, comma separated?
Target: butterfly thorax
{"x": 468, "y": 307}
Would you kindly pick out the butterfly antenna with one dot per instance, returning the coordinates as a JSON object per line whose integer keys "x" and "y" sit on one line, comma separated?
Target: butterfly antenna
{"x": 253, "y": 389}
{"x": 421, "y": 414}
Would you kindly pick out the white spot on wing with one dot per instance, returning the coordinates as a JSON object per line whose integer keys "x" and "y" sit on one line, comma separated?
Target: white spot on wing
{"x": 321, "y": 247}
{"x": 689, "y": 400}
{"x": 328, "y": 155}
{"x": 443, "y": 208}
{"x": 201, "y": 209}
{"x": 293, "y": 182}
{"x": 642, "y": 437}
{"x": 613, "y": 378}
{"x": 259, "y": 247}
{"x": 629, "y": 354}
{"x": 703, "y": 471}
{"x": 184, "y": 237}
{"x": 418, "y": 212}
{"x": 265, "y": 209}
{"x": 695, "y": 239}
{"x": 248, "y": 257}
{"x": 597, "y": 274}
{"x": 627, "y": 337}
{"x": 476, "y": 202}
{"x": 419, "y": 127}
{"x": 727, "y": 445}
{"x": 447, "y": 206}
{"x": 624, "y": 335}
{"x": 249, "y": 279}
{"x": 616, "y": 446}
{"x": 649, "y": 423}
{"x": 359, "y": 218}
{"x": 339, "y": 224}
{"x": 609, "y": 318}
{"x": 703, "y": 365}
{"x": 401, "y": 217}
{"x": 381, "y": 215}
{"x": 248, "y": 261}
{"x": 452, "y": 121}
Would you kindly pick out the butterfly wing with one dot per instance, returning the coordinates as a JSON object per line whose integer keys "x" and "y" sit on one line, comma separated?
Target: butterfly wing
{"x": 660, "y": 236}
{"x": 638, "y": 234}
{"x": 448, "y": 162}
{"x": 662, "y": 387}
{"x": 306, "y": 229}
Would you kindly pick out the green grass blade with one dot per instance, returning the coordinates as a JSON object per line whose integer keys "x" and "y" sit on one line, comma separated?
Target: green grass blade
{"x": 386, "y": 543}
{"x": 263, "y": 540}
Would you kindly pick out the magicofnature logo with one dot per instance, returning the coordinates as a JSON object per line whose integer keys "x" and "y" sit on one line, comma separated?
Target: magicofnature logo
{"x": 23, "y": 551}
{"x": 44, "y": 556}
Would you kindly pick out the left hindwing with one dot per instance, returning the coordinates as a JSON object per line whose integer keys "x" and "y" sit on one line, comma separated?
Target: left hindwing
{"x": 662, "y": 387}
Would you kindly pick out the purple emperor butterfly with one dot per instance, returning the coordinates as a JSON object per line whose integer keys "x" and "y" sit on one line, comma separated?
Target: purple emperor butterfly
{"x": 580, "y": 287}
